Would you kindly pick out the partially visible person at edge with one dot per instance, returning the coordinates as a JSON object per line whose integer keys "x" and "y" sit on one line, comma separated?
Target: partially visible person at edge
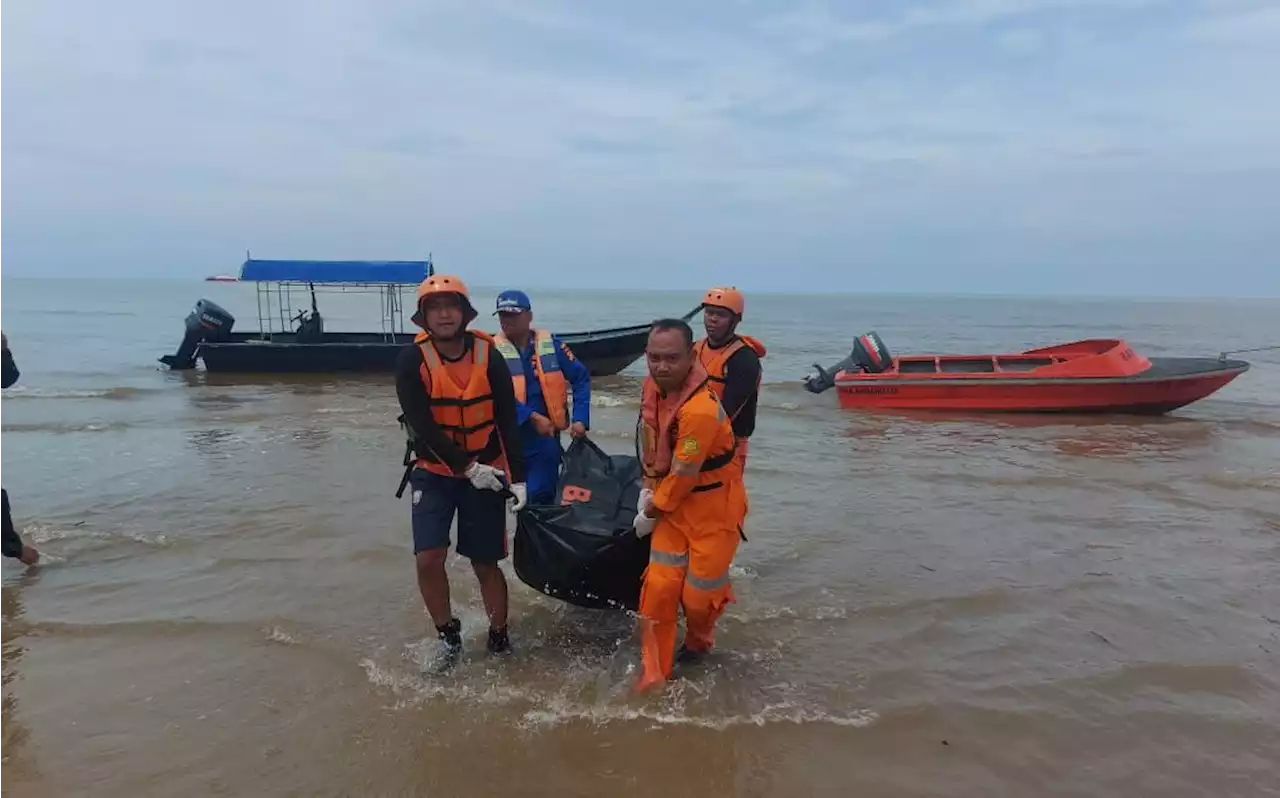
{"x": 693, "y": 503}
{"x": 460, "y": 407}
{"x": 13, "y": 545}
{"x": 543, "y": 370}
{"x": 732, "y": 362}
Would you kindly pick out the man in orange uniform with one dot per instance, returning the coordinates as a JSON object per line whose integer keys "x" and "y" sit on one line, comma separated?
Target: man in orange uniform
{"x": 456, "y": 394}
{"x": 693, "y": 503}
{"x": 732, "y": 362}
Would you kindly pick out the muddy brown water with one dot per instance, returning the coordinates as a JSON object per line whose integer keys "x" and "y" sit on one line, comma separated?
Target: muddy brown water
{"x": 926, "y": 606}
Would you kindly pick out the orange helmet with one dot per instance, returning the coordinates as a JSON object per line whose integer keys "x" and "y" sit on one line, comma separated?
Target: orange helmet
{"x": 443, "y": 284}
{"x": 726, "y": 297}
{"x": 446, "y": 284}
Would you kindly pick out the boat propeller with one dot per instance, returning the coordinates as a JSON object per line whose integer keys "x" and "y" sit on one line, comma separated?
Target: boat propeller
{"x": 824, "y": 379}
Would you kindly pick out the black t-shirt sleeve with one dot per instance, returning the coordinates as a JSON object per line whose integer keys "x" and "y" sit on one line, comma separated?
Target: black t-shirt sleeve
{"x": 504, "y": 412}
{"x": 741, "y": 372}
{"x": 415, "y": 403}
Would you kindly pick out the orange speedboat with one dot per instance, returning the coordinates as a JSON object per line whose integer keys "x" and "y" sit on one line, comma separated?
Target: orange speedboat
{"x": 1091, "y": 376}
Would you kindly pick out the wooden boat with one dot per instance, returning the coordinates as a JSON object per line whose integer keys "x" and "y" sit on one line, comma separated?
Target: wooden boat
{"x": 306, "y": 347}
{"x": 1101, "y": 375}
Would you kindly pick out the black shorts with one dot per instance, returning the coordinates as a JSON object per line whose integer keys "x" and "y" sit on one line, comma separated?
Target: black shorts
{"x": 482, "y": 516}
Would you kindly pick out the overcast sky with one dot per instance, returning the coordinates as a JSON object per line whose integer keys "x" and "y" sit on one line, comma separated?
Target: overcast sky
{"x": 1040, "y": 146}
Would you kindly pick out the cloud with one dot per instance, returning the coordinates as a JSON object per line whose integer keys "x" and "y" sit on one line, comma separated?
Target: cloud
{"x": 626, "y": 144}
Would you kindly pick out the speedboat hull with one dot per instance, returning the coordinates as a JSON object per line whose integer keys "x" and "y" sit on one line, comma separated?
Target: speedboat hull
{"x": 1092, "y": 376}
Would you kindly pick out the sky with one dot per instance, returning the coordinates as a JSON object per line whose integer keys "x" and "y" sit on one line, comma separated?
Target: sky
{"x": 1126, "y": 147}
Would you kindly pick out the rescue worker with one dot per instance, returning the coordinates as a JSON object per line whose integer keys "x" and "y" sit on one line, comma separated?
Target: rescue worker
{"x": 543, "y": 370}
{"x": 693, "y": 503}
{"x": 732, "y": 362}
{"x": 458, "y": 401}
{"x": 13, "y": 544}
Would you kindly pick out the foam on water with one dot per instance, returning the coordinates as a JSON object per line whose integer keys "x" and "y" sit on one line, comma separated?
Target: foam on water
{"x": 276, "y": 634}
{"x": 120, "y": 392}
{"x": 43, "y": 533}
{"x": 562, "y": 713}
{"x": 570, "y": 703}
{"x": 608, "y": 400}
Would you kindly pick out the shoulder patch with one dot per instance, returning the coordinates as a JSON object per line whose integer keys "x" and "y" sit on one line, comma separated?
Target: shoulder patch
{"x": 689, "y": 446}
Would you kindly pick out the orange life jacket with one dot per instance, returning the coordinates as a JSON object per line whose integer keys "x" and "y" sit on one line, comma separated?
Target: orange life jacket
{"x": 715, "y": 361}
{"x": 546, "y": 367}
{"x": 657, "y": 427}
{"x": 464, "y": 412}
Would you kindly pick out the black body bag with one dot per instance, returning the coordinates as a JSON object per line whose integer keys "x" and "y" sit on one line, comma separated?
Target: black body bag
{"x": 584, "y": 550}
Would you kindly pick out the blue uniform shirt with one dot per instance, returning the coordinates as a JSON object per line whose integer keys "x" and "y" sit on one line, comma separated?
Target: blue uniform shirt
{"x": 579, "y": 379}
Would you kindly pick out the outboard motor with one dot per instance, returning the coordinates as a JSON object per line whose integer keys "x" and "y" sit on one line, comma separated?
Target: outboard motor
{"x": 869, "y": 354}
{"x": 208, "y": 322}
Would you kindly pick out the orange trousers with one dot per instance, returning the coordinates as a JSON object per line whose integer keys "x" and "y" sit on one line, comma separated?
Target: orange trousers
{"x": 689, "y": 569}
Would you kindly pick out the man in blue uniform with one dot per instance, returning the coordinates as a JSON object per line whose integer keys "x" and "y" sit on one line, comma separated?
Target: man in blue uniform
{"x": 544, "y": 372}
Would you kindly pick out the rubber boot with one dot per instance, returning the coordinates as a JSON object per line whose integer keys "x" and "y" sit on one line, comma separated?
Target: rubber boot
{"x": 499, "y": 642}
{"x": 687, "y": 656}
{"x": 450, "y": 651}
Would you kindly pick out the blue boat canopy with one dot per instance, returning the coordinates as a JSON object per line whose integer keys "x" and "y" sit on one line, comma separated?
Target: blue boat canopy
{"x": 395, "y": 272}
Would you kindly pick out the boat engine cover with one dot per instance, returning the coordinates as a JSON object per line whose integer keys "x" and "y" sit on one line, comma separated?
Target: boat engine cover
{"x": 208, "y": 322}
{"x": 871, "y": 354}
{"x": 213, "y": 319}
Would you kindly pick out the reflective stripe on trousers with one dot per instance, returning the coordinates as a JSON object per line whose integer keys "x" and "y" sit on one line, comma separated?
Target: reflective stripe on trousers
{"x": 689, "y": 572}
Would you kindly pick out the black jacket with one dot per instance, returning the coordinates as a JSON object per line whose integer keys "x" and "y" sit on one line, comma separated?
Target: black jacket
{"x": 8, "y": 369}
{"x": 741, "y": 371}
{"x": 12, "y": 542}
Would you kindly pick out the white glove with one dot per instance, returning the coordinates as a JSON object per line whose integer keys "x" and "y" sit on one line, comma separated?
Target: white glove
{"x": 485, "y": 477}
{"x": 644, "y": 524}
{"x": 519, "y": 497}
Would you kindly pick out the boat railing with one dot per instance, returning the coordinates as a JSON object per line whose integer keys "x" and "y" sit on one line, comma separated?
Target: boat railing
{"x": 276, "y": 281}
{"x": 280, "y": 312}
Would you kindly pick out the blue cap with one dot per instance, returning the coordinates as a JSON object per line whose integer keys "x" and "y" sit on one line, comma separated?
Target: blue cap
{"x": 513, "y": 302}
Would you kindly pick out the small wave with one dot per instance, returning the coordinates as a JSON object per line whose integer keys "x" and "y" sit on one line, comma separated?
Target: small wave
{"x": 342, "y": 410}
{"x": 156, "y": 628}
{"x": 118, "y": 393}
{"x": 44, "y": 533}
{"x": 1235, "y": 481}
{"x": 278, "y": 635}
{"x": 787, "y": 613}
{"x": 554, "y": 710}
{"x": 608, "y": 400}
{"x": 413, "y": 689}
{"x": 71, "y": 428}
{"x": 1258, "y": 427}
{"x": 564, "y": 712}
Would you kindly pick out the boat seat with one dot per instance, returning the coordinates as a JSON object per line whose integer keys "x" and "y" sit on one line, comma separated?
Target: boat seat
{"x": 917, "y": 366}
{"x": 311, "y": 330}
{"x": 967, "y": 365}
{"x": 1023, "y": 363}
